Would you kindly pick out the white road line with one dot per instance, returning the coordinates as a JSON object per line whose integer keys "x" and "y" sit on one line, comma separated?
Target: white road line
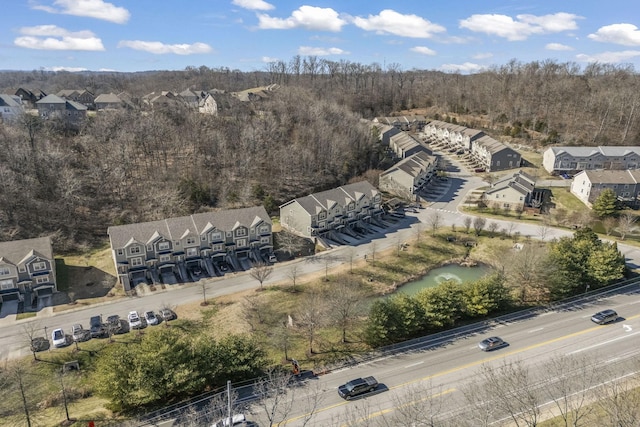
{"x": 602, "y": 343}
{"x": 414, "y": 364}
{"x": 535, "y": 330}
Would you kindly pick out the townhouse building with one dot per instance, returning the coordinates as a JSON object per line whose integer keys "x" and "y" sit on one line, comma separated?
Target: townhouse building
{"x": 588, "y": 184}
{"x": 27, "y": 270}
{"x": 513, "y": 192}
{"x": 52, "y": 106}
{"x": 163, "y": 251}
{"x": 320, "y": 213}
{"x": 407, "y": 177}
{"x": 10, "y": 107}
{"x": 570, "y": 160}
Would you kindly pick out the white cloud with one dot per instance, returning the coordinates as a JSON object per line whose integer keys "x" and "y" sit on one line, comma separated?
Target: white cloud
{"x": 69, "y": 69}
{"x": 52, "y": 37}
{"x": 522, "y": 27}
{"x": 557, "y": 46}
{"x": 253, "y": 4}
{"x": 423, "y": 50}
{"x": 610, "y": 57}
{"x": 467, "y": 67}
{"x": 98, "y": 9}
{"x": 321, "y": 51}
{"x": 307, "y": 17}
{"x": 392, "y": 22}
{"x": 268, "y": 59}
{"x": 483, "y": 55}
{"x": 160, "y": 48}
{"x": 624, "y": 34}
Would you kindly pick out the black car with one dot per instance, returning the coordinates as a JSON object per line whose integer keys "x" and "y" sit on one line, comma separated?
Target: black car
{"x": 115, "y": 324}
{"x": 357, "y": 387}
{"x": 604, "y": 317}
{"x": 40, "y": 344}
{"x": 97, "y": 328}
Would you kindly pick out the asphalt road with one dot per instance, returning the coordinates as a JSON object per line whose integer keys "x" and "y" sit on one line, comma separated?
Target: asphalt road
{"x": 443, "y": 367}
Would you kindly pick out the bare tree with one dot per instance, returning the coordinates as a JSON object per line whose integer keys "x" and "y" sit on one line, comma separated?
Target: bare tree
{"x": 609, "y": 224}
{"x": 32, "y": 331}
{"x": 478, "y": 224}
{"x": 418, "y": 229}
{"x": 373, "y": 246}
{"x": 293, "y": 274}
{"x": 346, "y": 301}
{"x": 312, "y": 315}
{"x": 544, "y": 228}
{"x": 434, "y": 221}
{"x": 618, "y": 399}
{"x": 626, "y": 224}
{"x": 351, "y": 256}
{"x": 261, "y": 272}
{"x": 527, "y": 270}
{"x": 493, "y": 227}
{"x": 420, "y": 405}
{"x": 466, "y": 222}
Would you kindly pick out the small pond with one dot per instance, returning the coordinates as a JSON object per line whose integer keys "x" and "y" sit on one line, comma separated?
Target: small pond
{"x": 442, "y": 274}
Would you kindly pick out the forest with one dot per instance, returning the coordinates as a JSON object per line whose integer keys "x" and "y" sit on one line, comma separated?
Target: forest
{"x": 133, "y": 166}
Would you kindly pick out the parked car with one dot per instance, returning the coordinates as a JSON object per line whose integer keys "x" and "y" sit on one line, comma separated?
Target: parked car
{"x": 272, "y": 258}
{"x": 236, "y": 419}
{"x": 115, "y": 324}
{"x": 223, "y": 266}
{"x": 491, "y": 343}
{"x": 357, "y": 387}
{"x": 151, "y": 318}
{"x": 79, "y": 334}
{"x": 195, "y": 271}
{"x": 58, "y": 338}
{"x": 134, "y": 320}
{"x": 605, "y": 316}
{"x": 97, "y": 328}
{"x": 40, "y": 344}
{"x": 167, "y": 314}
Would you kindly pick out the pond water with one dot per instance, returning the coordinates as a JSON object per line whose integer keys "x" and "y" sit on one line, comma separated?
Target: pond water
{"x": 442, "y": 274}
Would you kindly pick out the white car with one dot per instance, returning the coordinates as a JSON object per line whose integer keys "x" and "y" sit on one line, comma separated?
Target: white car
{"x": 58, "y": 338}
{"x": 236, "y": 419}
{"x": 134, "y": 320}
{"x": 151, "y": 318}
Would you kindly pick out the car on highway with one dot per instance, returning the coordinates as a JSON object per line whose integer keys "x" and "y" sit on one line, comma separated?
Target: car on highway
{"x": 167, "y": 314}
{"x": 491, "y": 343}
{"x": 79, "y": 334}
{"x": 97, "y": 328}
{"x": 39, "y": 344}
{"x": 58, "y": 338}
{"x": 151, "y": 318}
{"x": 357, "y": 387}
{"x": 135, "y": 322}
{"x": 605, "y": 316}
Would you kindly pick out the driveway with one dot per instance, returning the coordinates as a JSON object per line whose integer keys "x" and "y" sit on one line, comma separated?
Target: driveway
{"x": 8, "y": 311}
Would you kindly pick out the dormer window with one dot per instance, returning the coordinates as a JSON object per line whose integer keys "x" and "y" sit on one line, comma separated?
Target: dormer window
{"x": 134, "y": 250}
{"x": 39, "y": 266}
{"x": 5, "y": 271}
{"x": 163, "y": 246}
{"x": 241, "y": 232}
{"x": 191, "y": 241}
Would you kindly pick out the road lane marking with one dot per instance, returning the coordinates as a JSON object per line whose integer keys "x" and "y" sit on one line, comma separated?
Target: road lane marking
{"x": 535, "y": 330}
{"x": 415, "y": 364}
{"x": 602, "y": 343}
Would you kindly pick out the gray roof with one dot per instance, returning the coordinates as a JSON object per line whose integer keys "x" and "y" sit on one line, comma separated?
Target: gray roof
{"x": 520, "y": 181}
{"x": 108, "y": 98}
{"x": 413, "y": 165}
{"x": 343, "y": 195}
{"x": 17, "y": 250}
{"x": 177, "y": 228}
{"x": 611, "y": 176}
{"x": 51, "y": 99}
{"x": 73, "y": 105}
{"x": 8, "y": 101}
{"x": 609, "y": 151}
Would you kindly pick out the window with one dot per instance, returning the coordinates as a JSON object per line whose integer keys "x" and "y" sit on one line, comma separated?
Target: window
{"x": 241, "y": 232}
{"x": 192, "y": 252}
{"x": 352, "y": 206}
{"x": 4, "y": 271}
{"x": 149, "y": 248}
{"x": 39, "y": 266}
{"x": 136, "y": 262}
{"x": 322, "y": 215}
{"x": 42, "y": 279}
{"x": 216, "y": 236}
{"x": 217, "y": 247}
{"x": 265, "y": 240}
{"x": 264, "y": 229}
{"x": 22, "y": 269}
{"x": 241, "y": 243}
{"x": 191, "y": 241}
{"x": 6, "y": 284}
{"x": 120, "y": 252}
{"x": 134, "y": 250}
{"x": 163, "y": 246}
{"x": 165, "y": 258}
{"x": 203, "y": 238}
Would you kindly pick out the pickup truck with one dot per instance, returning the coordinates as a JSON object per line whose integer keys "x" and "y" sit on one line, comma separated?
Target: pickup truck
{"x": 357, "y": 387}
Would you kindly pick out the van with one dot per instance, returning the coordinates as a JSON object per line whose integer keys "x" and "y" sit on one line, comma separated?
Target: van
{"x": 605, "y": 316}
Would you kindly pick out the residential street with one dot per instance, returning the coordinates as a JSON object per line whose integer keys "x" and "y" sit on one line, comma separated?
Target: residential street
{"x": 445, "y": 201}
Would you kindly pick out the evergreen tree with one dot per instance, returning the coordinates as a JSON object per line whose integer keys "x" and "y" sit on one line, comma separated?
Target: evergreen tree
{"x": 606, "y": 204}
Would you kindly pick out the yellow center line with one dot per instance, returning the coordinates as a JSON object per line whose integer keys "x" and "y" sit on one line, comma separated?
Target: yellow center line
{"x": 459, "y": 368}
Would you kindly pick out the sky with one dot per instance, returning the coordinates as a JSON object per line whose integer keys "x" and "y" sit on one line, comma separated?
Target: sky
{"x": 464, "y": 36}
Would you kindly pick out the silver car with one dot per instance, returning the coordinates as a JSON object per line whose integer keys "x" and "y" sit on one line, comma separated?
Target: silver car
{"x": 491, "y": 343}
